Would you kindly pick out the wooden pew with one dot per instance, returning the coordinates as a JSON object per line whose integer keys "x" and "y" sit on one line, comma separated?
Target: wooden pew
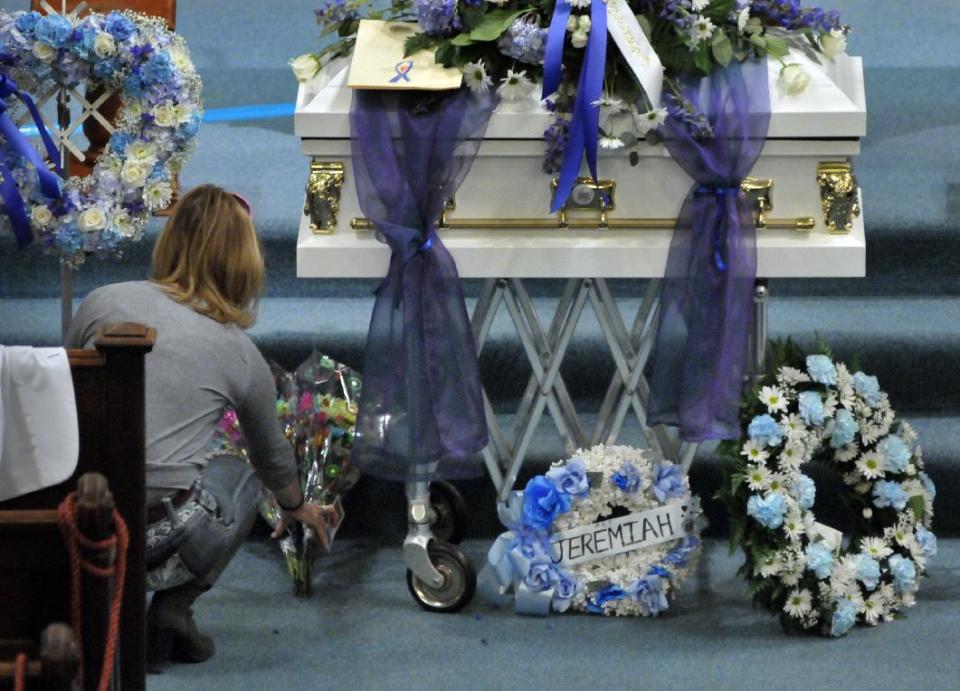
{"x": 55, "y": 669}
{"x": 34, "y": 570}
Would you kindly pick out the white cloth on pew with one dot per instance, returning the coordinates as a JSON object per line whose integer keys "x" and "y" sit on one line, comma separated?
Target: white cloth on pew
{"x": 39, "y": 435}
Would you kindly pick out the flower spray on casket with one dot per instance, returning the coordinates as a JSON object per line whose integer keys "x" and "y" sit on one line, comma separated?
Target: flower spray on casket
{"x": 317, "y": 406}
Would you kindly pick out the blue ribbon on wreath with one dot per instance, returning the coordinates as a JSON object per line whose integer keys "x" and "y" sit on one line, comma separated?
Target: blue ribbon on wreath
{"x": 49, "y": 182}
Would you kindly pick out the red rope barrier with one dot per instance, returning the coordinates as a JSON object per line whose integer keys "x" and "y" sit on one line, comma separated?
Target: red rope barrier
{"x": 20, "y": 673}
{"x": 75, "y": 540}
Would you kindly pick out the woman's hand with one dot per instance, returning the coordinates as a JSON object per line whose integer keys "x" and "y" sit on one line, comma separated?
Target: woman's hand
{"x": 311, "y": 515}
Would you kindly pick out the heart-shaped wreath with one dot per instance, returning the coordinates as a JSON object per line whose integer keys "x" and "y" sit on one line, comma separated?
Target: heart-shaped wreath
{"x": 152, "y": 138}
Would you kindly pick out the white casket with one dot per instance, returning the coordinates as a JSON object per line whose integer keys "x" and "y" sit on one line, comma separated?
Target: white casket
{"x": 500, "y": 225}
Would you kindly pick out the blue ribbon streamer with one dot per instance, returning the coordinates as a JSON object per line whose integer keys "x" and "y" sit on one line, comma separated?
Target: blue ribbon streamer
{"x": 553, "y": 55}
{"x": 585, "y": 126}
{"x": 723, "y": 196}
{"x": 49, "y": 182}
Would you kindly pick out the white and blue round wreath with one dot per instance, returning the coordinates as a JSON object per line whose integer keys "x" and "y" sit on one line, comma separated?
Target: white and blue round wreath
{"x": 817, "y": 579}
{"x": 608, "y": 531}
{"x": 155, "y": 133}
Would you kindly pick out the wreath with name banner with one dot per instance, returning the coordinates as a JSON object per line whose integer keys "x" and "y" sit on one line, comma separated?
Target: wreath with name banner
{"x": 815, "y": 410}
{"x": 608, "y": 531}
{"x": 153, "y": 137}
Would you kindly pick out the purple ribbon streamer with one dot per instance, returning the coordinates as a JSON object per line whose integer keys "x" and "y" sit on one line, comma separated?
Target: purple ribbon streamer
{"x": 49, "y": 183}
{"x": 701, "y": 350}
{"x": 585, "y": 126}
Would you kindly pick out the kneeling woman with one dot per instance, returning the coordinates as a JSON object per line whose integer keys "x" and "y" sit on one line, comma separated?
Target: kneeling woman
{"x": 207, "y": 277}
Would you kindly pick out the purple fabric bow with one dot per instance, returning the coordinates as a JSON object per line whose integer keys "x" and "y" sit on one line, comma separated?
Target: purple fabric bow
{"x": 422, "y": 400}
{"x": 700, "y": 354}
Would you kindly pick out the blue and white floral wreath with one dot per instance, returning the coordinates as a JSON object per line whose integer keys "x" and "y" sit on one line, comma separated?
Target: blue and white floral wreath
{"x": 607, "y": 532}
{"x": 816, "y": 578}
{"x": 153, "y": 137}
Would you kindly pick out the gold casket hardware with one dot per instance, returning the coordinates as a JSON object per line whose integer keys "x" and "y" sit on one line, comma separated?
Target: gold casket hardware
{"x": 838, "y": 195}
{"x": 323, "y": 195}
{"x": 757, "y": 189}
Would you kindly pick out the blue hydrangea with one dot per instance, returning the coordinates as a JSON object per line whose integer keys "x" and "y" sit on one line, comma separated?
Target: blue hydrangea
{"x": 889, "y": 494}
{"x": 844, "y": 616}
{"x": 571, "y": 478}
{"x": 118, "y": 26}
{"x": 819, "y": 559}
{"x": 768, "y": 511}
{"x": 822, "y": 369}
{"x": 811, "y": 408}
{"x": 104, "y": 69}
{"x": 868, "y": 388}
{"x": 904, "y": 573}
{"x": 845, "y": 429}
{"x": 928, "y": 485}
{"x": 27, "y": 23}
{"x": 668, "y": 481}
{"x": 806, "y": 491}
{"x": 157, "y": 69}
{"x": 524, "y": 41}
{"x": 133, "y": 85}
{"x": 765, "y": 431}
{"x": 896, "y": 453}
{"x": 628, "y": 478}
{"x": 436, "y": 17}
{"x": 53, "y": 30}
{"x": 334, "y": 12}
{"x": 119, "y": 141}
{"x": 82, "y": 45}
{"x": 868, "y": 571}
{"x": 927, "y": 541}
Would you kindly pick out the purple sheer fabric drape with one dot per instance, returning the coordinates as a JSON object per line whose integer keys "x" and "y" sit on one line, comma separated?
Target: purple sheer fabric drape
{"x": 422, "y": 399}
{"x": 701, "y": 351}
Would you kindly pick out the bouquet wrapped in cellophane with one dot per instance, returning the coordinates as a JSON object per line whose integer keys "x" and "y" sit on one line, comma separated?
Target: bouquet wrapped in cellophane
{"x": 317, "y": 406}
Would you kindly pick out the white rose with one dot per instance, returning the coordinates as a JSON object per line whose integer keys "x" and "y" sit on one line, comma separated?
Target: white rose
{"x": 43, "y": 52}
{"x": 584, "y": 22}
{"x": 833, "y": 44}
{"x": 41, "y": 215}
{"x": 104, "y": 46}
{"x": 794, "y": 79}
{"x": 134, "y": 174}
{"x": 92, "y": 219}
{"x": 579, "y": 39}
{"x": 305, "y": 67}
{"x": 141, "y": 152}
{"x": 164, "y": 116}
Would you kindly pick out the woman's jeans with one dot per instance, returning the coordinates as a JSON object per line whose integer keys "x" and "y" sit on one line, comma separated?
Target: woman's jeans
{"x": 197, "y": 542}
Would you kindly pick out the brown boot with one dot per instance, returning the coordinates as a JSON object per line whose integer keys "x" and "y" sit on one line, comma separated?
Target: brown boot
{"x": 171, "y": 631}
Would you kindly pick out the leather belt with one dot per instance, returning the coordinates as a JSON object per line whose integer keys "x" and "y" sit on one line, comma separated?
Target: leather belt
{"x": 157, "y": 511}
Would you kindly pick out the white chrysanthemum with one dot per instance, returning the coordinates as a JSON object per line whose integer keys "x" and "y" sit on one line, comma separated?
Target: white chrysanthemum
{"x": 701, "y": 29}
{"x": 791, "y": 375}
{"x": 776, "y": 482}
{"x": 515, "y": 86}
{"x": 124, "y": 223}
{"x": 771, "y": 566}
{"x": 773, "y": 398}
{"x": 871, "y": 433}
{"x": 830, "y": 405}
{"x": 907, "y": 433}
{"x": 476, "y": 78}
{"x": 871, "y": 465}
{"x": 157, "y": 195}
{"x": 649, "y": 121}
{"x": 754, "y": 452}
{"x": 792, "y": 456}
{"x": 876, "y": 547}
{"x": 609, "y": 142}
{"x": 846, "y": 453}
{"x": 798, "y": 603}
{"x": 873, "y": 609}
{"x": 141, "y": 152}
{"x": 793, "y": 425}
{"x": 757, "y": 478}
{"x": 794, "y": 527}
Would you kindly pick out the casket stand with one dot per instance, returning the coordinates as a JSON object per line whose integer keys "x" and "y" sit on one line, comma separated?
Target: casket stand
{"x": 809, "y": 224}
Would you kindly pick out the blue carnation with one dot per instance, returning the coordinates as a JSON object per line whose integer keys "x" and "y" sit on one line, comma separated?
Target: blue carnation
{"x": 822, "y": 370}
{"x": 927, "y": 541}
{"x": 889, "y": 494}
{"x": 844, "y": 616}
{"x": 868, "y": 388}
{"x": 819, "y": 559}
{"x": 628, "y": 478}
{"x": 904, "y": 573}
{"x": 571, "y": 478}
{"x": 928, "y": 485}
{"x": 896, "y": 453}
{"x": 805, "y": 490}
{"x": 27, "y": 23}
{"x": 542, "y": 503}
{"x": 811, "y": 408}
{"x": 768, "y": 511}
{"x": 158, "y": 69}
{"x": 845, "y": 429}
{"x": 53, "y": 30}
{"x": 765, "y": 431}
{"x": 668, "y": 481}
{"x": 119, "y": 26}
{"x": 868, "y": 571}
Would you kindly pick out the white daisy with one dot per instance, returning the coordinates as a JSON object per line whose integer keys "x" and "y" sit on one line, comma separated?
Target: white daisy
{"x": 701, "y": 28}
{"x": 757, "y": 478}
{"x": 754, "y": 452}
{"x": 776, "y": 482}
{"x": 610, "y": 142}
{"x": 157, "y": 195}
{"x": 871, "y": 465}
{"x": 876, "y": 547}
{"x": 791, "y": 457}
{"x": 773, "y": 398}
{"x": 791, "y": 375}
{"x": 515, "y": 86}
{"x": 649, "y": 121}
{"x": 699, "y": 5}
{"x": 798, "y": 603}
{"x": 793, "y": 424}
{"x": 793, "y": 526}
{"x": 771, "y": 566}
{"x": 847, "y": 453}
{"x": 476, "y": 77}
{"x": 873, "y": 609}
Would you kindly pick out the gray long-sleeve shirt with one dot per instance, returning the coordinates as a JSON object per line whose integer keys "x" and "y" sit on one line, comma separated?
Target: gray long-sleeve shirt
{"x": 197, "y": 368}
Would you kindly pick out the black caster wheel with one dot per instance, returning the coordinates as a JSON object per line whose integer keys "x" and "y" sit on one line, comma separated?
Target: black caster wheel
{"x": 450, "y": 513}
{"x": 459, "y": 580}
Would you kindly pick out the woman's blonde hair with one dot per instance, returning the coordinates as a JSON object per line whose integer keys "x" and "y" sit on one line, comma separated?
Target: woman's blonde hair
{"x": 208, "y": 256}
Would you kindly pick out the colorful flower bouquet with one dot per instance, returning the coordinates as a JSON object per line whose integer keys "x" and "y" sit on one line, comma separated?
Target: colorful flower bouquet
{"x": 317, "y": 406}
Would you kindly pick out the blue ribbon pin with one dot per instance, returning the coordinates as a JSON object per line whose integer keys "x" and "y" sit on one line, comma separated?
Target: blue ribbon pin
{"x": 402, "y": 69}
